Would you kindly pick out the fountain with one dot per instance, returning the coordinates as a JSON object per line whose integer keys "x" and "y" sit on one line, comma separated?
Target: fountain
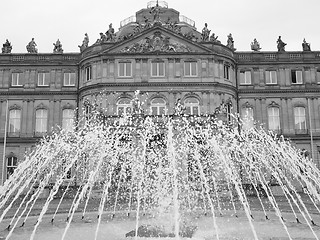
{"x": 171, "y": 176}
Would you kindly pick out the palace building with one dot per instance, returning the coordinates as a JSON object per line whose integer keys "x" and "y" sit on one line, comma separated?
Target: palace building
{"x": 163, "y": 55}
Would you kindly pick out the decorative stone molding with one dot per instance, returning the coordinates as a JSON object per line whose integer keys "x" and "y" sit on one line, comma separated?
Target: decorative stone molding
{"x": 156, "y": 43}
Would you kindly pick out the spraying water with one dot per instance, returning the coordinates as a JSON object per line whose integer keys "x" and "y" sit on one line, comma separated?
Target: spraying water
{"x": 169, "y": 168}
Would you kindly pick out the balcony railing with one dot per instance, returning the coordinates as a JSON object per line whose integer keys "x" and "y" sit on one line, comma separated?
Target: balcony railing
{"x": 187, "y": 20}
{"x": 128, "y": 20}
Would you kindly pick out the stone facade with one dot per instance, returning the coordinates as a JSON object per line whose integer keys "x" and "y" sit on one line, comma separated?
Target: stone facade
{"x": 166, "y": 61}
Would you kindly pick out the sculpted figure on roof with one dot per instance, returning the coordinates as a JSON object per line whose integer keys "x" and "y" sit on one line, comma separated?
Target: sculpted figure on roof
{"x": 305, "y": 46}
{"x": 85, "y": 43}
{"x": 31, "y": 47}
{"x": 205, "y": 33}
{"x": 255, "y": 45}
{"x": 110, "y": 33}
{"x": 280, "y": 45}
{"x": 7, "y": 47}
{"x": 57, "y": 47}
{"x": 230, "y": 42}
{"x": 155, "y": 11}
{"x": 214, "y": 38}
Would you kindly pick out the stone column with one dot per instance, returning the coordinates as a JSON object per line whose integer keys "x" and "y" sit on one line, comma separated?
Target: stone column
{"x": 138, "y": 70}
{"x": 112, "y": 71}
{"x": 6, "y": 75}
{"x": 51, "y": 114}
{"x": 24, "y": 118}
{"x": 290, "y": 116}
{"x": 31, "y": 118}
{"x": 264, "y": 116}
{"x": 259, "y": 109}
{"x": 144, "y": 71}
{"x": 171, "y": 98}
{"x": 170, "y": 70}
{"x": 1, "y": 78}
{"x": 205, "y": 101}
{"x": 317, "y": 115}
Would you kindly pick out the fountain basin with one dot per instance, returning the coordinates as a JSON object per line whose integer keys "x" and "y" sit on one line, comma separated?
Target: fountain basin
{"x": 229, "y": 227}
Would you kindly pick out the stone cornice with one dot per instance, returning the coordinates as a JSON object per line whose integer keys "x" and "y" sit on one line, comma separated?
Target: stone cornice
{"x": 292, "y": 57}
{"x": 28, "y": 59}
{"x": 278, "y": 91}
{"x": 167, "y": 86}
{"x": 29, "y": 93}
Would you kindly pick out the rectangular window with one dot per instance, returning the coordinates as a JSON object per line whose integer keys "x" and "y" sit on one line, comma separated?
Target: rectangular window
{"x": 41, "y": 120}
{"x": 124, "y": 69}
{"x": 300, "y": 118}
{"x": 12, "y": 163}
{"x": 69, "y": 79}
{"x": 318, "y": 75}
{"x": 43, "y": 79}
{"x": 158, "y": 110}
{"x": 274, "y": 118}
{"x": 247, "y": 118}
{"x": 16, "y": 80}
{"x": 226, "y": 72}
{"x": 296, "y": 77}
{"x": 245, "y": 77}
{"x": 14, "y": 121}
{"x": 157, "y": 69}
{"x": 271, "y": 77}
{"x": 190, "y": 69}
{"x": 88, "y": 73}
{"x": 67, "y": 119}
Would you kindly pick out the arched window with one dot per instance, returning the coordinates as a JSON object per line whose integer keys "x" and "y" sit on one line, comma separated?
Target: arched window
{"x": 300, "y": 118}
{"x": 247, "y": 117}
{"x": 274, "y": 118}
{"x": 41, "y": 120}
{"x": 12, "y": 163}
{"x": 14, "y": 120}
{"x": 158, "y": 106}
{"x": 192, "y": 106}
{"x": 124, "y": 106}
{"x": 67, "y": 119}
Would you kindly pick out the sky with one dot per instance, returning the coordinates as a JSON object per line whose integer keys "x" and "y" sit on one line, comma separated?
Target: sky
{"x": 68, "y": 20}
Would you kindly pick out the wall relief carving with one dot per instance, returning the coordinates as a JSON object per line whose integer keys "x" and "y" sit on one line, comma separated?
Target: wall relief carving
{"x": 156, "y": 43}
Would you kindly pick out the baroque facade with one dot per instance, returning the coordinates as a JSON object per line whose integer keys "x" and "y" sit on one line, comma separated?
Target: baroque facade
{"x": 161, "y": 54}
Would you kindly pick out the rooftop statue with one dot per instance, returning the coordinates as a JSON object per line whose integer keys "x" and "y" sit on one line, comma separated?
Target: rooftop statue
{"x": 57, "y": 47}
{"x": 110, "y": 33}
{"x": 155, "y": 11}
{"x": 7, "y": 47}
{"x": 173, "y": 26}
{"x": 31, "y": 47}
{"x": 205, "y": 33}
{"x": 255, "y": 45}
{"x": 214, "y": 38}
{"x": 281, "y": 45}
{"x": 305, "y": 46}
{"x": 103, "y": 38}
{"x": 230, "y": 42}
{"x": 85, "y": 43}
{"x": 147, "y": 23}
